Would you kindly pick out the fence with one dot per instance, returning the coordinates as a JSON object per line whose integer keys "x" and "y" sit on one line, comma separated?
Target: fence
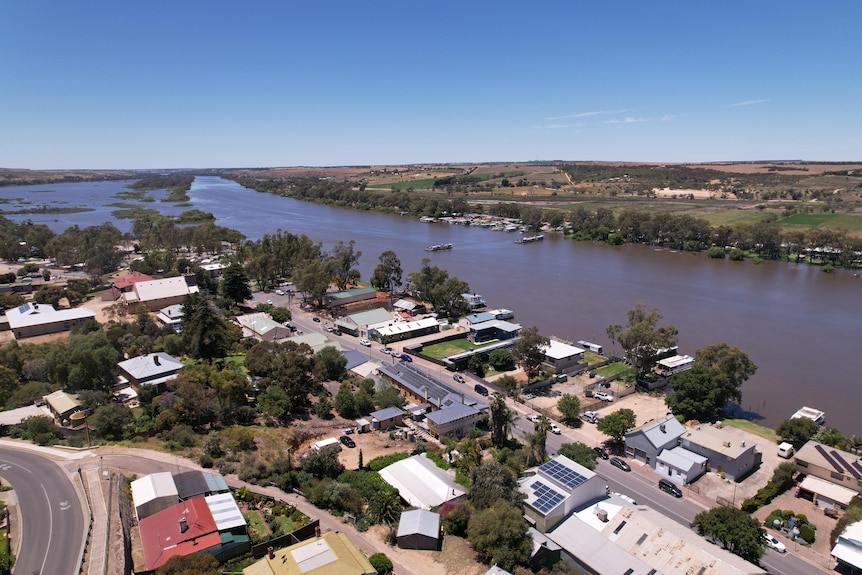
{"x": 295, "y": 536}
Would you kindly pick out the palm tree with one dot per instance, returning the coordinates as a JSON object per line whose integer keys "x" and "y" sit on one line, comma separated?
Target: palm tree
{"x": 502, "y": 419}
{"x": 542, "y": 426}
{"x": 385, "y": 507}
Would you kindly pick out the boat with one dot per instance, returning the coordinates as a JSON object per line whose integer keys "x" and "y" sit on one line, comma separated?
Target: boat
{"x": 815, "y": 415}
{"x": 438, "y": 248}
{"x": 427, "y": 220}
{"x": 529, "y": 239}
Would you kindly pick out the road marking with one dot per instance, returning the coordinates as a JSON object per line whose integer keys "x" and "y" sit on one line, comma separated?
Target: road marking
{"x": 50, "y": 527}
{"x": 7, "y": 465}
{"x": 65, "y": 505}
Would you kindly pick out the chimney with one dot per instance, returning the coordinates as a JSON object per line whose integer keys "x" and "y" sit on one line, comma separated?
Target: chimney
{"x": 184, "y": 525}
{"x": 271, "y": 552}
{"x": 662, "y": 428}
{"x": 156, "y": 359}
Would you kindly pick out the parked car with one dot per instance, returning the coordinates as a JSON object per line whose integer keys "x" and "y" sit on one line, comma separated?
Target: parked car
{"x": 601, "y": 453}
{"x": 269, "y": 301}
{"x": 327, "y": 329}
{"x": 480, "y": 389}
{"x": 774, "y": 543}
{"x": 365, "y": 342}
{"x": 347, "y": 430}
{"x": 669, "y": 487}
{"x": 590, "y": 416}
{"x": 555, "y": 429}
{"x": 336, "y": 331}
{"x": 603, "y": 396}
{"x": 617, "y": 462}
{"x": 387, "y": 351}
{"x": 535, "y": 418}
{"x": 315, "y": 319}
{"x": 459, "y": 378}
{"x": 279, "y": 292}
{"x": 347, "y": 441}
{"x": 405, "y": 357}
{"x": 528, "y": 396}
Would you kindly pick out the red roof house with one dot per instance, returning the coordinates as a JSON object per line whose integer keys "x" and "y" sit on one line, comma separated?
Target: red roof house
{"x": 181, "y": 529}
{"x": 125, "y": 282}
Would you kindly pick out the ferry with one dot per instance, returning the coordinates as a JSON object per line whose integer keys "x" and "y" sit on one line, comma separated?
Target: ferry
{"x": 529, "y": 239}
{"x": 438, "y": 248}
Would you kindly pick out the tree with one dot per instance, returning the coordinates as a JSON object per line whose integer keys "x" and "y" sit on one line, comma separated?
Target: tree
{"x": 529, "y": 350}
{"x": 729, "y": 366}
{"x": 580, "y": 453}
{"x": 234, "y": 284}
{"x": 570, "y": 407}
{"x": 387, "y": 275}
{"x": 539, "y": 439}
{"x": 381, "y": 563}
{"x": 329, "y": 364}
{"x": 499, "y": 535}
{"x": 110, "y": 421}
{"x": 342, "y": 263}
{"x": 696, "y": 395}
{"x": 491, "y": 481}
{"x": 617, "y": 424}
{"x": 501, "y": 420}
{"x": 345, "y": 403}
{"x": 192, "y": 564}
{"x": 796, "y": 430}
{"x": 501, "y": 360}
{"x": 204, "y": 332}
{"x": 385, "y": 507}
{"x": 8, "y": 384}
{"x": 734, "y": 529}
{"x": 641, "y": 339}
{"x": 322, "y": 463}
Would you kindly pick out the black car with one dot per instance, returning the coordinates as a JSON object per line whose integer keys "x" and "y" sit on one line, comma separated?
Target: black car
{"x": 315, "y": 319}
{"x": 669, "y": 487}
{"x": 601, "y": 452}
{"x": 347, "y": 441}
{"x": 617, "y": 462}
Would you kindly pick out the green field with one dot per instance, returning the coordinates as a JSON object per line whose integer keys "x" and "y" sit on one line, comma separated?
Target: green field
{"x": 425, "y": 184}
{"x": 808, "y": 220}
{"x": 447, "y": 348}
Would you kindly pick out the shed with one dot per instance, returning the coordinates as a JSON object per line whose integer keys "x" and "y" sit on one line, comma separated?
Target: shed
{"x": 153, "y": 493}
{"x": 419, "y": 529}
{"x": 421, "y": 483}
{"x": 383, "y": 419}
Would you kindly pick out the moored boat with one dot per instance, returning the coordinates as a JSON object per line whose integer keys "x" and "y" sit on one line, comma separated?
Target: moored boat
{"x": 438, "y": 247}
{"x": 529, "y": 239}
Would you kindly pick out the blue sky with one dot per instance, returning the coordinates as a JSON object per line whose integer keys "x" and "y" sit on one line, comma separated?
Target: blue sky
{"x": 232, "y": 84}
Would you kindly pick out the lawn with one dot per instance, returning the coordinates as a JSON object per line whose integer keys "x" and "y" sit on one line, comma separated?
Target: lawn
{"x": 807, "y": 220}
{"x": 285, "y": 524}
{"x": 256, "y": 525}
{"x": 593, "y": 358}
{"x": 447, "y": 348}
{"x": 616, "y": 368}
{"x": 415, "y": 184}
{"x": 751, "y": 427}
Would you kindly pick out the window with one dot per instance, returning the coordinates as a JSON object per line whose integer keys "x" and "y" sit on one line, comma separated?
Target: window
{"x": 837, "y": 476}
{"x": 801, "y": 463}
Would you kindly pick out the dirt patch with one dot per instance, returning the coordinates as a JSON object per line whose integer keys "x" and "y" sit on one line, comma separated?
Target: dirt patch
{"x": 456, "y": 557}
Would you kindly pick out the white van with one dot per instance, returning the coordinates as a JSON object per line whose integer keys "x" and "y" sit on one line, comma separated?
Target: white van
{"x": 785, "y": 450}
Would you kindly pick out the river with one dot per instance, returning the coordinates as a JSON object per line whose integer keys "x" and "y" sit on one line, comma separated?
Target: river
{"x": 801, "y": 326}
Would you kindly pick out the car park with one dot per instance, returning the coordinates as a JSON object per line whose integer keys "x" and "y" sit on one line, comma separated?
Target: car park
{"x": 603, "y": 396}
{"x": 365, "y": 342}
{"x": 617, "y": 462}
{"x": 601, "y": 453}
{"x": 459, "y": 378}
{"x": 347, "y": 441}
{"x": 555, "y": 429}
{"x": 774, "y": 543}
{"x": 669, "y": 487}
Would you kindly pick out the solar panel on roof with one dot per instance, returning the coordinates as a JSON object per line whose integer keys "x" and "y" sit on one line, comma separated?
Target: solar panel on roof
{"x": 828, "y": 458}
{"x": 840, "y": 460}
{"x": 568, "y": 477}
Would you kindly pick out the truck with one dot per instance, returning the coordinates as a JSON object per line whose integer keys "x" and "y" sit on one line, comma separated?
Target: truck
{"x": 785, "y": 450}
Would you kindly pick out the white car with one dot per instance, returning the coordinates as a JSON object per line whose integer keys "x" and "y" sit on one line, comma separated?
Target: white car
{"x": 774, "y": 543}
{"x": 535, "y": 418}
{"x": 555, "y": 429}
{"x": 601, "y": 395}
{"x": 365, "y": 342}
{"x": 269, "y": 301}
{"x": 279, "y": 292}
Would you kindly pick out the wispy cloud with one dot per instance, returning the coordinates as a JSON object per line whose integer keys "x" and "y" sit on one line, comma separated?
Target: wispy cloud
{"x": 667, "y": 118}
{"x": 749, "y": 103}
{"x": 587, "y": 114}
{"x": 551, "y": 127}
{"x": 626, "y": 120}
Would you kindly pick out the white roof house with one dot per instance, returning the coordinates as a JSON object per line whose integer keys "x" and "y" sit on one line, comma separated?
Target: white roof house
{"x": 421, "y": 483}
{"x": 33, "y": 319}
{"x": 560, "y": 356}
{"x": 153, "y": 493}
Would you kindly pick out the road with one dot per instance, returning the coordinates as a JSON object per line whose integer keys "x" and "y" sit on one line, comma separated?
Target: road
{"x": 52, "y": 519}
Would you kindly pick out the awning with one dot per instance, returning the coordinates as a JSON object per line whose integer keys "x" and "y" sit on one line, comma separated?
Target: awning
{"x": 828, "y": 490}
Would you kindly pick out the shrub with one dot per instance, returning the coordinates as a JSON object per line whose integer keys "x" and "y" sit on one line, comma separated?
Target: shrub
{"x": 806, "y": 531}
{"x": 381, "y": 563}
{"x": 205, "y": 461}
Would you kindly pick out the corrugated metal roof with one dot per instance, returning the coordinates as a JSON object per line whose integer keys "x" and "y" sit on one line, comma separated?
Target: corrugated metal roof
{"x": 419, "y": 521}
{"x": 225, "y": 511}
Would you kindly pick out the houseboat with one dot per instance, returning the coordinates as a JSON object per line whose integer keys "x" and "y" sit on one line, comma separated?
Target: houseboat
{"x": 427, "y": 220}
{"x": 438, "y": 248}
{"x": 530, "y": 239}
{"x": 815, "y": 415}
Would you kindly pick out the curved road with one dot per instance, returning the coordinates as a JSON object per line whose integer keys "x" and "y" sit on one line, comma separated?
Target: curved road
{"x": 52, "y": 521}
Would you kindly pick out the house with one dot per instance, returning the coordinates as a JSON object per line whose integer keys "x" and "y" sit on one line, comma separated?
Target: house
{"x": 149, "y": 369}
{"x": 561, "y": 357}
{"x": 452, "y": 421}
{"x": 197, "y": 483}
{"x": 680, "y": 465}
{"x": 848, "y": 547}
{"x": 328, "y": 554}
{"x": 474, "y": 318}
{"x": 348, "y": 296}
{"x": 404, "y": 330}
{"x": 315, "y": 340}
{"x": 212, "y": 524}
{"x": 421, "y": 483}
{"x": 358, "y": 324}
{"x": 360, "y": 364}
{"x": 646, "y": 442}
{"x": 124, "y": 282}
{"x": 171, "y": 316}
{"x": 494, "y": 329}
{"x": 555, "y": 489}
{"x": 383, "y": 419}
{"x": 725, "y": 448}
{"x": 32, "y": 319}
{"x": 420, "y": 388}
{"x": 610, "y": 536}
{"x": 409, "y": 307}
{"x": 160, "y": 293}
{"x": 419, "y": 529}
{"x": 62, "y": 405}
{"x": 153, "y": 493}
{"x": 262, "y": 327}
{"x": 831, "y": 465}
